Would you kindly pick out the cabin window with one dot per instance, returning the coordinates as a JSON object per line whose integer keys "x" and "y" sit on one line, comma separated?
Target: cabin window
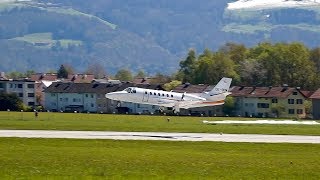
{"x": 150, "y": 93}
{"x": 146, "y": 92}
{"x": 155, "y": 94}
{"x": 171, "y": 95}
{"x": 134, "y": 91}
{"x": 167, "y": 95}
{"x": 162, "y": 94}
{"x": 159, "y": 94}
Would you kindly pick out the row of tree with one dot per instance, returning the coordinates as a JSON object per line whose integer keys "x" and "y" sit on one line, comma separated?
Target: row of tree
{"x": 263, "y": 65}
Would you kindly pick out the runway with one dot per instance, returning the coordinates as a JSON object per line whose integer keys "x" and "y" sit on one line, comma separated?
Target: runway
{"x": 252, "y": 138}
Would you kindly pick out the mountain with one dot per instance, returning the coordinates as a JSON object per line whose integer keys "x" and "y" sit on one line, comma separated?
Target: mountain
{"x": 143, "y": 34}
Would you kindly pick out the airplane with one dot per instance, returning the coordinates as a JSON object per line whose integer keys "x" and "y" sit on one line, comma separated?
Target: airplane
{"x": 174, "y": 100}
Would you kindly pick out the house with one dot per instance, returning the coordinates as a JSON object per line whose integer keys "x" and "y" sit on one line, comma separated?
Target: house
{"x": 270, "y": 101}
{"x": 44, "y": 80}
{"x": 315, "y": 97}
{"x": 206, "y": 111}
{"x": 90, "y": 97}
{"x": 25, "y": 90}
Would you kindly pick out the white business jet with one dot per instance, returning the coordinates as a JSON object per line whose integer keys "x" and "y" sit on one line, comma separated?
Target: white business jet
{"x": 173, "y": 99}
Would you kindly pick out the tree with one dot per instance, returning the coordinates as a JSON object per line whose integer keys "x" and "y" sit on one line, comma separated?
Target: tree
{"x": 15, "y": 75}
{"x": 97, "y": 70}
{"x": 229, "y": 106}
{"x": 160, "y": 79}
{"x": 29, "y": 73}
{"x": 62, "y": 72}
{"x": 187, "y": 67}
{"x": 10, "y": 101}
{"x": 140, "y": 74}
{"x": 124, "y": 75}
{"x": 171, "y": 85}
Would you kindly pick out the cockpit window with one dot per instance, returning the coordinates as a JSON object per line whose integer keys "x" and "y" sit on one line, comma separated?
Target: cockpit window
{"x": 129, "y": 90}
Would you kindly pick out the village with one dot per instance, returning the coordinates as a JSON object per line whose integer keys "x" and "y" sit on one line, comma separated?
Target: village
{"x": 84, "y": 94}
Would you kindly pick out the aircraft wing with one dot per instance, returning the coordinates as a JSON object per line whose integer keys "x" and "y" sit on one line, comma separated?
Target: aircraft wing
{"x": 195, "y": 104}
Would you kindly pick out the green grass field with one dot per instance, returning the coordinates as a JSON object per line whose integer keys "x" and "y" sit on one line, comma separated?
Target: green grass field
{"x": 110, "y": 122}
{"x": 23, "y": 158}
{"x": 92, "y": 159}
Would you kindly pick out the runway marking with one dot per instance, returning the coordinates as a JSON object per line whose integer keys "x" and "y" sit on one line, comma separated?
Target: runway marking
{"x": 253, "y": 138}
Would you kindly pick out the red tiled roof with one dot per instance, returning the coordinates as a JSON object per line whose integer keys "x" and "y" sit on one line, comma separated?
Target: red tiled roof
{"x": 76, "y": 78}
{"x": 316, "y": 95}
{"x": 266, "y": 92}
{"x": 307, "y": 93}
{"x": 44, "y": 77}
{"x": 145, "y": 80}
{"x": 80, "y": 78}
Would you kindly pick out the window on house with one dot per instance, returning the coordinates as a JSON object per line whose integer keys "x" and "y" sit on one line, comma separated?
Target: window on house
{"x": 19, "y": 85}
{"x": 87, "y": 95}
{"x": 299, "y": 111}
{"x": 30, "y": 86}
{"x": 274, "y": 100}
{"x": 1, "y": 85}
{"x": 60, "y": 99}
{"x": 290, "y": 101}
{"x": 91, "y": 95}
{"x": 291, "y": 111}
{"x": 30, "y": 94}
{"x": 20, "y": 94}
{"x": 53, "y": 95}
{"x": 138, "y": 105}
{"x": 299, "y": 101}
{"x": 92, "y": 105}
{"x": 11, "y": 85}
{"x": 295, "y": 93}
{"x": 263, "y": 105}
{"x": 30, "y": 103}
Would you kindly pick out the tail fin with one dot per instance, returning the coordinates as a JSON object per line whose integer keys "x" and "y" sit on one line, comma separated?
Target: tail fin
{"x": 222, "y": 86}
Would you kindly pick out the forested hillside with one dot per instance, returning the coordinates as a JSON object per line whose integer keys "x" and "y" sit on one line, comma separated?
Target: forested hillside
{"x": 139, "y": 34}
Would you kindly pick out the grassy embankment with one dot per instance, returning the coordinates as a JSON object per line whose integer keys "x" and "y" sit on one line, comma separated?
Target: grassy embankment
{"x": 110, "y": 122}
{"x": 74, "y": 159}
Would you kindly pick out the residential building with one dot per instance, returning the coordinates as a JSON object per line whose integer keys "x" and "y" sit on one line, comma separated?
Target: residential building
{"x": 44, "y": 80}
{"x": 270, "y": 101}
{"x": 90, "y": 97}
{"x": 315, "y": 97}
{"x": 25, "y": 90}
{"x": 205, "y": 111}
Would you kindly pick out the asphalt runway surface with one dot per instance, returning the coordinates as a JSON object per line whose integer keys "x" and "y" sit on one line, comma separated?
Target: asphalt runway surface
{"x": 252, "y": 138}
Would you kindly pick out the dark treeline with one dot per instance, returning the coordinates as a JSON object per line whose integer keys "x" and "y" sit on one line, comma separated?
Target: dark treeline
{"x": 263, "y": 65}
